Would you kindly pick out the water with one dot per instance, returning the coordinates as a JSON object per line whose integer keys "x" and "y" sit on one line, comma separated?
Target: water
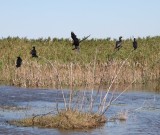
{"x": 143, "y": 112}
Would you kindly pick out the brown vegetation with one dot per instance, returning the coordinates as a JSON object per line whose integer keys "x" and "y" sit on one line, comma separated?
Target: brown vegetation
{"x": 34, "y": 75}
{"x": 58, "y": 62}
{"x": 70, "y": 119}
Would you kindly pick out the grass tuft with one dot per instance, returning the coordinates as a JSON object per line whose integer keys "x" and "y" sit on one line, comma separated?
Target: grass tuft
{"x": 65, "y": 119}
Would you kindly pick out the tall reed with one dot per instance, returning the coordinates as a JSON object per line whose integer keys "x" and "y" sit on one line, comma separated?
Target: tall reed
{"x": 56, "y": 55}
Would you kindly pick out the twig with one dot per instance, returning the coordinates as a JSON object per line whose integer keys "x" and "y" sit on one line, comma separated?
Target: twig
{"x": 94, "y": 68}
{"x": 106, "y": 95}
{"x": 40, "y": 115}
{"x": 64, "y": 99}
{"x": 71, "y": 91}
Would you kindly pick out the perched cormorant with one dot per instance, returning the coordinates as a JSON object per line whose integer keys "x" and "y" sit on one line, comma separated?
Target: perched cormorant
{"x": 135, "y": 44}
{"x": 18, "y": 62}
{"x": 75, "y": 41}
{"x": 33, "y": 52}
{"x": 118, "y": 43}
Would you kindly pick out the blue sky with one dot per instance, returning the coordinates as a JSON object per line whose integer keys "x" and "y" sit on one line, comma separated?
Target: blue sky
{"x": 100, "y": 18}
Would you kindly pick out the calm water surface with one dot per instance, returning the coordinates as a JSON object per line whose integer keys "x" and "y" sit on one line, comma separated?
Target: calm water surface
{"x": 143, "y": 112}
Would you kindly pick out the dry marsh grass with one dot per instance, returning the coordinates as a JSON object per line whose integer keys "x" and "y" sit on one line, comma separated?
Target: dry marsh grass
{"x": 34, "y": 75}
{"x": 12, "y": 108}
{"x": 70, "y": 119}
{"x": 57, "y": 61}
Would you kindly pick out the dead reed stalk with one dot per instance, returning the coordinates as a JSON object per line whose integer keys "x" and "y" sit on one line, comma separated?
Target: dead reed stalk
{"x": 32, "y": 74}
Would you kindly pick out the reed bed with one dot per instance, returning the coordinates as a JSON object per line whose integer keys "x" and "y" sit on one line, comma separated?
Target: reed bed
{"x": 58, "y": 63}
{"x": 32, "y": 74}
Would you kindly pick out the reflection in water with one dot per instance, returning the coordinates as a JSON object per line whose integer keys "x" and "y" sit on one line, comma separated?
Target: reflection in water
{"x": 143, "y": 112}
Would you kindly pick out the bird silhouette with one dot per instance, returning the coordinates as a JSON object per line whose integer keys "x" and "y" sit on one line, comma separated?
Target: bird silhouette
{"x": 135, "y": 45}
{"x": 18, "y": 62}
{"x": 75, "y": 41}
{"x": 118, "y": 43}
{"x": 33, "y": 52}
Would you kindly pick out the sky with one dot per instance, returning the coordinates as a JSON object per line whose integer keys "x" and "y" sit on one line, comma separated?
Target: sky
{"x": 100, "y": 18}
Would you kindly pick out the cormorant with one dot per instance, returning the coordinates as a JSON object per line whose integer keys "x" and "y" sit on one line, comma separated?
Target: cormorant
{"x": 33, "y": 52}
{"x": 118, "y": 43}
{"x": 135, "y": 44}
{"x": 75, "y": 41}
{"x": 18, "y": 62}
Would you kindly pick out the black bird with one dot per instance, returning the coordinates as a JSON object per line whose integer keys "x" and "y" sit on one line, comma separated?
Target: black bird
{"x": 135, "y": 45}
{"x": 18, "y": 62}
{"x": 75, "y": 41}
{"x": 118, "y": 43}
{"x": 33, "y": 52}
